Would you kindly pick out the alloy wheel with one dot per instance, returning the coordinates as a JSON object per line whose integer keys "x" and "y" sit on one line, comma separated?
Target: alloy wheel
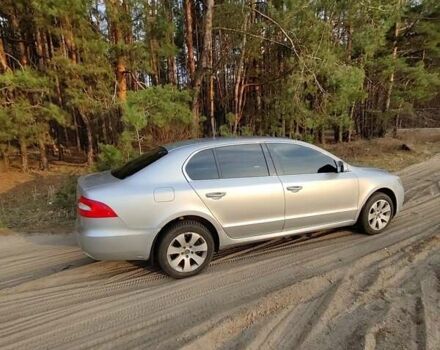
{"x": 187, "y": 252}
{"x": 379, "y": 214}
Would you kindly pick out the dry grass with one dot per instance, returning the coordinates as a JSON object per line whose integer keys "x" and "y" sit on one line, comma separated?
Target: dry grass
{"x": 37, "y": 202}
{"x": 386, "y": 153}
{"x": 45, "y": 202}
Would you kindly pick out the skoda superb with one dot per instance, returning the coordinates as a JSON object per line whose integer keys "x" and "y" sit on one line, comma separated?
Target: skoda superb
{"x": 180, "y": 203}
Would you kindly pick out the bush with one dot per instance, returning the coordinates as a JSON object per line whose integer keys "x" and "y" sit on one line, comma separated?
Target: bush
{"x": 65, "y": 197}
{"x": 110, "y": 157}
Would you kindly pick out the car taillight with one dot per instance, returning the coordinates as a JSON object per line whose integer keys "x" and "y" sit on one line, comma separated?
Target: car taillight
{"x": 94, "y": 209}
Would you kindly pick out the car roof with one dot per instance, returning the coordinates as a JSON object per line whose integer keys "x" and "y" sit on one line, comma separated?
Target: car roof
{"x": 222, "y": 141}
{"x": 190, "y": 146}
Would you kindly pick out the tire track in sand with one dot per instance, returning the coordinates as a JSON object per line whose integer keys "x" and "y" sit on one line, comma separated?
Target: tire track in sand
{"x": 335, "y": 290}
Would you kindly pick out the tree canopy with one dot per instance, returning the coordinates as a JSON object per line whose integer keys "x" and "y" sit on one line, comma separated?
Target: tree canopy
{"x": 120, "y": 75}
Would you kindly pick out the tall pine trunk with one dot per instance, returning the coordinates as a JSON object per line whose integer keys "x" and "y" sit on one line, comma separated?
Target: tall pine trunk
{"x": 191, "y": 65}
{"x": 394, "y": 58}
{"x": 24, "y": 154}
{"x": 240, "y": 78}
{"x": 5, "y": 156}
{"x": 23, "y": 58}
{"x": 90, "y": 154}
{"x": 114, "y": 8}
{"x": 3, "y": 61}
{"x": 203, "y": 68}
{"x": 43, "y": 153}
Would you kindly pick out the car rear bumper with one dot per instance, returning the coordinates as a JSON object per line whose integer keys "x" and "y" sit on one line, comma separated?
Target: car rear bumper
{"x": 109, "y": 239}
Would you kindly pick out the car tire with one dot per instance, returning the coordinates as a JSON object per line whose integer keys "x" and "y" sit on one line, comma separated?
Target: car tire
{"x": 376, "y": 214}
{"x": 185, "y": 249}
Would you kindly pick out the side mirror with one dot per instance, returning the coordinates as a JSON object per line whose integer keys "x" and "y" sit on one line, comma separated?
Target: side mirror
{"x": 340, "y": 166}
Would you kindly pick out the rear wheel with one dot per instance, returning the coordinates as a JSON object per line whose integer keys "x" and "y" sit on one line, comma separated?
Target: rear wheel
{"x": 185, "y": 249}
{"x": 377, "y": 213}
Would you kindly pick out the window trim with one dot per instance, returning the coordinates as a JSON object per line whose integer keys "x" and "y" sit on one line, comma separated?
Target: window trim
{"x": 269, "y": 160}
{"x": 278, "y": 170}
{"x": 213, "y": 148}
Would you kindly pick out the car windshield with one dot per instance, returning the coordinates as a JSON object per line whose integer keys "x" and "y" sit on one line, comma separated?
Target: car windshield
{"x": 139, "y": 163}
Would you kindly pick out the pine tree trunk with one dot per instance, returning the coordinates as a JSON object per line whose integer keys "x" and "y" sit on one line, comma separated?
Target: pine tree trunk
{"x": 340, "y": 132}
{"x": 203, "y": 68}
{"x": 172, "y": 72}
{"x": 211, "y": 105}
{"x": 23, "y": 59}
{"x": 121, "y": 79}
{"x": 211, "y": 96}
{"x": 171, "y": 60}
{"x": 396, "y": 126}
{"x": 90, "y": 155}
{"x": 5, "y": 156}
{"x": 239, "y": 78}
{"x": 152, "y": 43}
{"x": 69, "y": 40}
{"x": 39, "y": 48}
{"x": 191, "y": 66}
{"x": 77, "y": 139}
{"x": 104, "y": 131}
{"x": 43, "y": 154}
{"x": 3, "y": 61}
{"x": 394, "y": 57}
{"x": 113, "y": 8}
{"x": 24, "y": 155}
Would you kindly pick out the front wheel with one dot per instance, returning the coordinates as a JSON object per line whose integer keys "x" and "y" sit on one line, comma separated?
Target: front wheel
{"x": 377, "y": 213}
{"x": 186, "y": 249}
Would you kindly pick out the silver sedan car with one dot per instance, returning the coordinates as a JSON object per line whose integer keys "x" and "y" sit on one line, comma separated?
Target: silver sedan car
{"x": 178, "y": 204}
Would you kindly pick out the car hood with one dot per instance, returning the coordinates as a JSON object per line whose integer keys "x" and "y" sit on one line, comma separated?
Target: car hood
{"x": 369, "y": 170}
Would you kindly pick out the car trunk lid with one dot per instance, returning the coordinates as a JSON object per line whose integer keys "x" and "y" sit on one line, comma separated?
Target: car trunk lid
{"x": 94, "y": 180}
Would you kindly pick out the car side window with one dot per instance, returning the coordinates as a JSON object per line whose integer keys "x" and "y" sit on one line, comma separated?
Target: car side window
{"x": 241, "y": 161}
{"x": 291, "y": 159}
{"x": 202, "y": 166}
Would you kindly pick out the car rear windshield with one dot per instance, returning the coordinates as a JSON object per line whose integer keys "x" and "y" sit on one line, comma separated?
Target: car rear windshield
{"x": 139, "y": 163}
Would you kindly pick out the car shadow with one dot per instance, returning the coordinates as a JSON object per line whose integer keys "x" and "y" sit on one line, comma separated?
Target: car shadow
{"x": 261, "y": 247}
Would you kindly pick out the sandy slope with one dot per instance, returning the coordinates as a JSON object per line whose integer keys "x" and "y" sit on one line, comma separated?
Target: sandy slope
{"x": 336, "y": 290}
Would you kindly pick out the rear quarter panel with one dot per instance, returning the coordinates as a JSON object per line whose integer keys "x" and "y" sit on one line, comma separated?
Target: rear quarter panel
{"x": 154, "y": 196}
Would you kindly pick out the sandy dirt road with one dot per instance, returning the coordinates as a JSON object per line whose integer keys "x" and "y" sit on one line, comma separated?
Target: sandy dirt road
{"x": 335, "y": 290}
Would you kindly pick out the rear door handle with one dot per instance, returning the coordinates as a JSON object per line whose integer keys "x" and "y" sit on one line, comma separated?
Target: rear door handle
{"x": 215, "y": 195}
{"x": 294, "y": 189}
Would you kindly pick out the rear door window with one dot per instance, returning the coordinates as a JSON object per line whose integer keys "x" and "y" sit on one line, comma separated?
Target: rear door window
{"x": 241, "y": 161}
{"x": 202, "y": 166}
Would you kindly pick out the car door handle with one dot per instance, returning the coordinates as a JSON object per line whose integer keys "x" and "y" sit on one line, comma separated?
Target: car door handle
{"x": 294, "y": 189}
{"x": 215, "y": 195}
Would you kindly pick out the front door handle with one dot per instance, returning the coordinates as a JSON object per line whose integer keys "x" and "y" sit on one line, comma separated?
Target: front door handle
{"x": 294, "y": 189}
{"x": 215, "y": 195}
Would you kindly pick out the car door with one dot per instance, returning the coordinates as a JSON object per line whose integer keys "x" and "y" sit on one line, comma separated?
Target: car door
{"x": 235, "y": 184}
{"x": 316, "y": 194}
